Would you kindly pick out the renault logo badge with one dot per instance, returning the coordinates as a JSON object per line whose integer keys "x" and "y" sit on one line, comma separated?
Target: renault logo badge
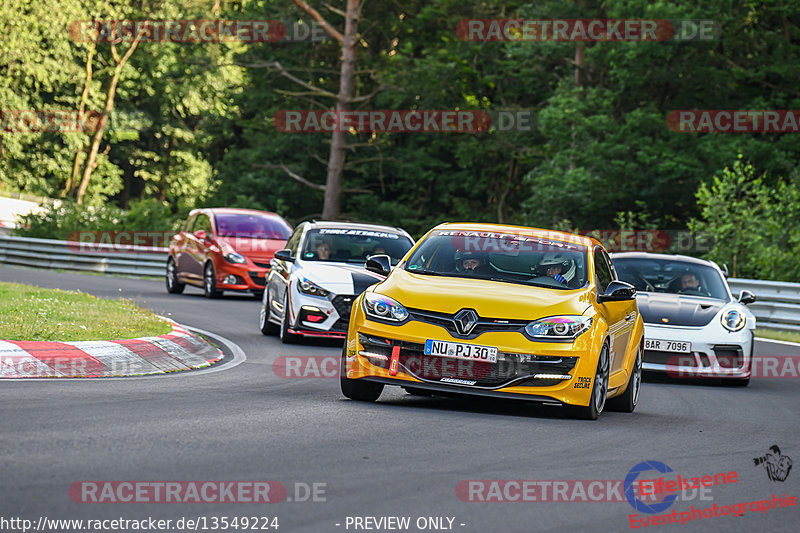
{"x": 465, "y": 320}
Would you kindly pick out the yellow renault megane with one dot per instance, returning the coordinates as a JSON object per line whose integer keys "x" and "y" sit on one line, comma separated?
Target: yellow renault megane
{"x": 502, "y": 311}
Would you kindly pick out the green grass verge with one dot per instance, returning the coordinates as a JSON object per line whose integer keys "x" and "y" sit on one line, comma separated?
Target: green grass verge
{"x": 32, "y": 314}
{"x": 790, "y": 336}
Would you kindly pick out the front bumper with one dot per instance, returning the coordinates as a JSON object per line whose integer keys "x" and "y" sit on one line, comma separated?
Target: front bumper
{"x": 716, "y": 352}
{"x": 247, "y": 277}
{"x": 559, "y": 373}
{"x": 317, "y": 316}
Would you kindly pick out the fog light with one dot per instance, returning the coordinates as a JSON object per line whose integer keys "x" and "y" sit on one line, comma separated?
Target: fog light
{"x": 230, "y": 279}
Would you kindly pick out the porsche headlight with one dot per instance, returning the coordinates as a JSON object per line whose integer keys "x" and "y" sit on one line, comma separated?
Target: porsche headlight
{"x": 384, "y": 308}
{"x": 309, "y": 287}
{"x": 733, "y": 320}
{"x": 559, "y": 327}
{"x": 233, "y": 257}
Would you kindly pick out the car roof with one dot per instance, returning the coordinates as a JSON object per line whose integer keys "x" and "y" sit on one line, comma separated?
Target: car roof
{"x": 235, "y": 211}
{"x": 554, "y": 235}
{"x": 668, "y": 257}
{"x": 355, "y": 225}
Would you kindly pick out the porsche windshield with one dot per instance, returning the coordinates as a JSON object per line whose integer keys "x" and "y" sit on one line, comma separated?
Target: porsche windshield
{"x": 501, "y": 257}
{"x": 667, "y": 275}
{"x": 353, "y": 245}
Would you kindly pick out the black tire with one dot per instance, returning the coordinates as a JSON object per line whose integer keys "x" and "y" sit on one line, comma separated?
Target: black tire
{"x": 173, "y": 285}
{"x": 598, "y": 399}
{"x": 356, "y": 389}
{"x": 626, "y": 402}
{"x": 258, "y": 295}
{"x": 266, "y": 327}
{"x": 210, "y": 282}
{"x": 285, "y": 335}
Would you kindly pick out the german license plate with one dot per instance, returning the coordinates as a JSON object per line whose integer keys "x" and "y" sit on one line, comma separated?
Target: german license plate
{"x": 460, "y": 350}
{"x": 668, "y": 346}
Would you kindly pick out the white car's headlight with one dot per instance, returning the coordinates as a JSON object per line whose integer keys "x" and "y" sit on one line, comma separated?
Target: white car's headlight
{"x": 233, "y": 257}
{"x": 309, "y": 287}
{"x": 559, "y": 327}
{"x": 733, "y": 320}
{"x": 384, "y": 308}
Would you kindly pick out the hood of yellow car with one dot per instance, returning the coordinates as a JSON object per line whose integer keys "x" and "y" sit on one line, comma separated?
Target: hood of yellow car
{"x": 493, "y": 299}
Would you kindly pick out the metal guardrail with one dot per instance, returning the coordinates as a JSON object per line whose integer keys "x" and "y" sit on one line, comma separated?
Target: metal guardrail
{"x": 87, "y": 257}
{"x": 777, "y": 304}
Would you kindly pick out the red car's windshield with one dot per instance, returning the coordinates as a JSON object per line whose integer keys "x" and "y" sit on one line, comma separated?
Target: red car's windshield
{"x": 252, "y": 226}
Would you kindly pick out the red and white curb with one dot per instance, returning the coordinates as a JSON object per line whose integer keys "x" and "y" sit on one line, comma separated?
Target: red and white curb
{"x": 177, "y": 350}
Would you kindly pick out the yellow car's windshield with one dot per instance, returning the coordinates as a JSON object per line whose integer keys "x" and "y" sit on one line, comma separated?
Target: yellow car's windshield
{"x": 501, "y": 257}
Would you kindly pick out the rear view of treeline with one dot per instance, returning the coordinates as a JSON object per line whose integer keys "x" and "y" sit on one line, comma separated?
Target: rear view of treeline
{"x": 581, "y": 137}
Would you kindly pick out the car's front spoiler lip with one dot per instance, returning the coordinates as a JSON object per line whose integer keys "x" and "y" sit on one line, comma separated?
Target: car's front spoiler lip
{"x": 695, "y": 372}
{"x": 326, "y": 334}
{"x": 463, "y": 390}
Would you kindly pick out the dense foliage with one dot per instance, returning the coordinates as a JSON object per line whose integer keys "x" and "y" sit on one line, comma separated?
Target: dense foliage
{"x": 191, "y": 124}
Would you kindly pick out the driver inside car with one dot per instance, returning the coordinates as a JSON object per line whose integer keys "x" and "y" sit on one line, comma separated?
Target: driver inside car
{"x": 474, "y": 263}
{"x": 558, "y": 266}
{"x": 323, "y": 251}
{"x": 689, "y": 283}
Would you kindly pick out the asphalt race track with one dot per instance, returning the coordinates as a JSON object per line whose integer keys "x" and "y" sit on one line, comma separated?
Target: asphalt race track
{"x": 401, "y": 457}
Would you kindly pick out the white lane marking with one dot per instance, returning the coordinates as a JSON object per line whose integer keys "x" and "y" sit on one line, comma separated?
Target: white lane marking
{"x": 790, "y": 343}
{"x": 238, "y": 354}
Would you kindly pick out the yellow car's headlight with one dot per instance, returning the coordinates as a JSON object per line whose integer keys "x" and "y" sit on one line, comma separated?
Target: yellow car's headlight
{"x": 382, "y": 307}
{"x": 565, "y": 327}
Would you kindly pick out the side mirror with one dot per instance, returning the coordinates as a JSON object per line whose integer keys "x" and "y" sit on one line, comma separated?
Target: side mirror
{"x": 201, "y": 234}
{"x": 746, "y": 297}
{"x": 617, "y": 291}
{"x": 380, "y": 264}
{"x": 284, "y": 255}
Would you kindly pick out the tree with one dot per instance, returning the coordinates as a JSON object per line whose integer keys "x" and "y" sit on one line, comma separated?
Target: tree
{"x": 753, "y": 225}
{"x": 119, "y": 64}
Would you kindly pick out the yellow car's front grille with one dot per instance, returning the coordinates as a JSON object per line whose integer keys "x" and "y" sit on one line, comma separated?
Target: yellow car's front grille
{"x": 510, "y": 368}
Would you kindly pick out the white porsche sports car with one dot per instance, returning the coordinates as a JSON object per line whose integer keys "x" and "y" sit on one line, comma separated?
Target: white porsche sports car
{"x": 313, "y": 281}
{"x": 694, "y": 327}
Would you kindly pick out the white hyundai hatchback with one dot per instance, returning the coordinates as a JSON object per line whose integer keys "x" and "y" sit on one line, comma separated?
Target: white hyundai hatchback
{"x": 315, "y": 279}
{"x": 694, "y": 327}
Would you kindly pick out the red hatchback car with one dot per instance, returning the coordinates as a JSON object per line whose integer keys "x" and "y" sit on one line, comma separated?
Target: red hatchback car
{"x": 225, "y": 249}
